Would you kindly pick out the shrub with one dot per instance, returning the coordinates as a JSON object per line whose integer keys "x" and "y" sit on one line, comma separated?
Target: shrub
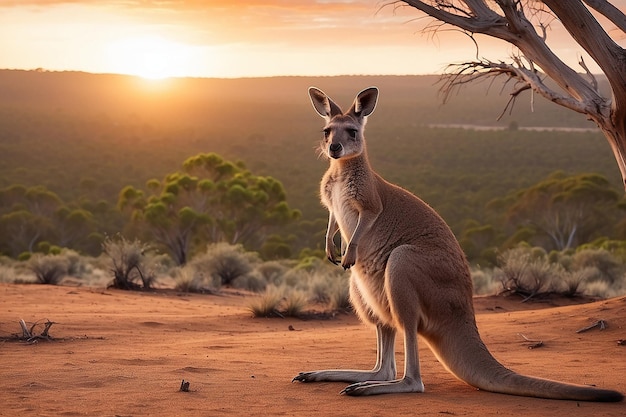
{"x": 320, "y": 289}
{"x": 525, "y": 271}
{"x": 297, "y": 278}
{"x": 127, "y": 263}
{"x": 484, "y": 282}
{"x": 571, "y": 283}
{"x": 7, "y": 274}
{"x": 529, "y": 272}
{"x": 77, "y": 266}
{"x": 252, "y": 282}
{"x": 272, "y": 272}
{"x": 311, "y": 262}
{"x": 607, "y": 265}
{"x": 225, "y": 262}
{"x": 48, "y": 269}
{"x": 600, "y": 289}
{"x": 267, "y": 304}
{"x": 187, "y": 279}
{"x": 294, "y": 303}
{"x": 340, "y": 296}
{"x": 24, "y": 256}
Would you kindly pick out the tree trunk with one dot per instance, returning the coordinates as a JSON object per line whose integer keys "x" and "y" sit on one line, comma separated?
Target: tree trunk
{"x": 611, "y": 58}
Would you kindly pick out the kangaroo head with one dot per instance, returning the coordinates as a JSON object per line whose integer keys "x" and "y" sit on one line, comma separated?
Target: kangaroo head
{"x": 343, "y": 133}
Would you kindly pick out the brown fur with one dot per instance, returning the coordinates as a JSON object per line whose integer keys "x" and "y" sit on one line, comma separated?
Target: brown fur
{"x": 408, "y": 273}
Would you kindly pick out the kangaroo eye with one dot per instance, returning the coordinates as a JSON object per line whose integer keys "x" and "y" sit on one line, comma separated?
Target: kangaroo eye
{"x": 352, "y": 133}
{"x": 327, "y": 132}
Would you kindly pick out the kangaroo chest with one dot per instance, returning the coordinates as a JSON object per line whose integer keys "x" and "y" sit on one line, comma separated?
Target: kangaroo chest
{"x": 340, "y": 195}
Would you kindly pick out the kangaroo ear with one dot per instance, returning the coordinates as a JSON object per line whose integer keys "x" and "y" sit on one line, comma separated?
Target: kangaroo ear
{"x": 324, "y": 106}
{"x": 365, "y": 102}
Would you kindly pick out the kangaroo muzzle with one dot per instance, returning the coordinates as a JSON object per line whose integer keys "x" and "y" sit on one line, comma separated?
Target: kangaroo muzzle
{"x": 335, "y": 150}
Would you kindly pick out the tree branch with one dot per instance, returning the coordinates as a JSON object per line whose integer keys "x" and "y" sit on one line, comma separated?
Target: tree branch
{"x": 488, "y": 22}
{"x": 471, "y": 71}
{"x": 590, "y": 35}
{"x": 506, "y": 20}
{"x": 609, "y": 11}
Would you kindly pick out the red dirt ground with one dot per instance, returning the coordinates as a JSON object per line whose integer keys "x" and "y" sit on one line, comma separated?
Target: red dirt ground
{"x": 121, "y": 353}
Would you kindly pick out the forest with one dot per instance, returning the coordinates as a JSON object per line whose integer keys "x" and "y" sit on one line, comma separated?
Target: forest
{"x": 86, "y": 156}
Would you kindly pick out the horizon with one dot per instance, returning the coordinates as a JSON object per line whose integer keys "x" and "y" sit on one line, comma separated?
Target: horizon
{"x": 240, "y": 39}
{"x": 156, "y": 80}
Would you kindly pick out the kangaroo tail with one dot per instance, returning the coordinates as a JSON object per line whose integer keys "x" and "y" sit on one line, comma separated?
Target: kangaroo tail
{"x": 467, "y": 357}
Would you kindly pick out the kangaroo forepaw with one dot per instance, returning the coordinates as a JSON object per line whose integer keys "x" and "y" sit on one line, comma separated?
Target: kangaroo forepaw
{"x": 349, "y": 258}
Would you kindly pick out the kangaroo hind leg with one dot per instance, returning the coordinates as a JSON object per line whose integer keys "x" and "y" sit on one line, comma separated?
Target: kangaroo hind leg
{"x": 405, "y": 307}
{"x": 384, "y": 369}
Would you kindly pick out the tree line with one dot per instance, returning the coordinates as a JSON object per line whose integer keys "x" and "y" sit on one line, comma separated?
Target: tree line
{"x": 214, "y": 200}
{"x": 105, "y": 158}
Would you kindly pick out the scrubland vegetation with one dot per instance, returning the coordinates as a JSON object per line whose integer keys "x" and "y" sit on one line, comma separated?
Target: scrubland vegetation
{"x": 201, "y": 184}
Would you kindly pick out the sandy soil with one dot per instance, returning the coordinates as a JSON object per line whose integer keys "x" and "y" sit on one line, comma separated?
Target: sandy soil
{"x": 121, "y": 353}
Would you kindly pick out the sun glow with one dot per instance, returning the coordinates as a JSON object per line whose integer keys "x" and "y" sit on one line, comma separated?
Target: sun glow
{"x": 152, "y": 58}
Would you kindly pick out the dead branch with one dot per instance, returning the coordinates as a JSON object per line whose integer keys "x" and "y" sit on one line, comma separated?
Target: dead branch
{"x": 600, "y": 324}
{"x": 609, "y": 11}
{"x": 512, "y": 22}
{"x": 534, "y": 344}
{"x": 468, "y": 72}
{"x": 511, "y": 103}
{"x": 592, "y": 78}
{"x": 30, "y": 336}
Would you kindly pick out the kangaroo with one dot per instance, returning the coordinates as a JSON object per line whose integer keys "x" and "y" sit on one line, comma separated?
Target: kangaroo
{"x": 408, "y": 273}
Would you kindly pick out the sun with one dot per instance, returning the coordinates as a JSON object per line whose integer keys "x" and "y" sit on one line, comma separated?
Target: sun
{"x": 151, "y": 57}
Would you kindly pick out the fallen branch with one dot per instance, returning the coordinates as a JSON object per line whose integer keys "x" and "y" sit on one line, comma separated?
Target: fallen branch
{"x": 534, "y": 344}
{"x": 600, "y": 323}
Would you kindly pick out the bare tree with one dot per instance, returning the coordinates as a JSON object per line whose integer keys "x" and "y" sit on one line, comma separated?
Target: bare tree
{"x": 524, "y": 24}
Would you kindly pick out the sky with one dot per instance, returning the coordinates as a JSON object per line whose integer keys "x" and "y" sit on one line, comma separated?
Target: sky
{"x": 234, "y": 38}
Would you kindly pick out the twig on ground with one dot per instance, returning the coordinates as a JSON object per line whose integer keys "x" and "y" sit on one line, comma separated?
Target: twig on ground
{"x": 534, "y": 344}
{"x": 30, "y": 336}
{"x": 184, "y": 386}
{"x": 600, "y": 323}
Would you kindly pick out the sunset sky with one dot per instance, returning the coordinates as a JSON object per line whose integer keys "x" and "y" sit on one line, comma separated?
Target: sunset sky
{"x": 232, "y": 38}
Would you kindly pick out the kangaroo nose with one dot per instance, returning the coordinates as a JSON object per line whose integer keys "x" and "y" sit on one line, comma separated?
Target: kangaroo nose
{"x": 335, "y": 147}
